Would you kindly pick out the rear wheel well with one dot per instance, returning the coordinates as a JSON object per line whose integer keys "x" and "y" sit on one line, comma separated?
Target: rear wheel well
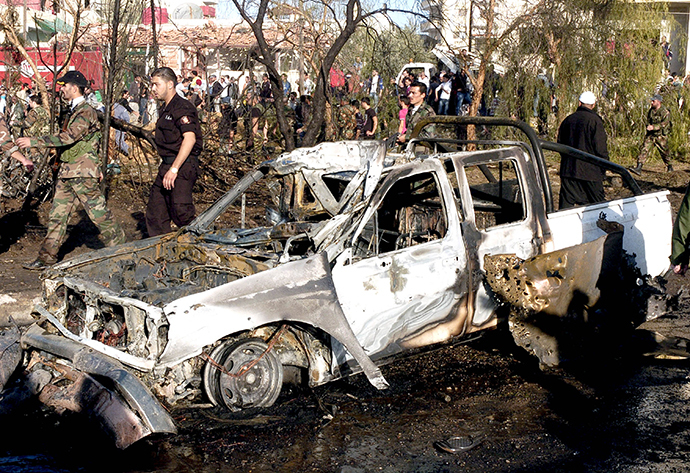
{"x": 249, "y": 368}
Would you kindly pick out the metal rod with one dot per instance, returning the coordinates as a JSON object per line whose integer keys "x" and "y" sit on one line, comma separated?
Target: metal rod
{"x": 244, "y": 208}
{"x": 536, "y": 151}
{"x": 597, "y": 161}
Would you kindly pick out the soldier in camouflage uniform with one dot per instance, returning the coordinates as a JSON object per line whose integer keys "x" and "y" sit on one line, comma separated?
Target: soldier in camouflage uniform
{"x": 658, "y": 129}
{"x": 16, "y": 114}
{"x": 77, "y": 180}
{"x": 9, "y": 151}
{"x": 347, "y": 123}
{"x": 418, "y": 110}
{"x": 37, "y": 121}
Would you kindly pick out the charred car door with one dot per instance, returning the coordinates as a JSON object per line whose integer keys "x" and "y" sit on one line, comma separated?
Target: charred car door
{"x": 402, "y": 282}
{"x": 503, "y": 209}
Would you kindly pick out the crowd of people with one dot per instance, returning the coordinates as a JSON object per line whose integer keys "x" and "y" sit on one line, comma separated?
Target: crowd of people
{"x": 77, "y": 161}
{"x": 356, "y": 109}
{"x": 179, "y": 105}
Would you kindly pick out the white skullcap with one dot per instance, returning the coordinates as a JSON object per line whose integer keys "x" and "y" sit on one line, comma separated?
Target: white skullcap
{"x": 588, "y": 98}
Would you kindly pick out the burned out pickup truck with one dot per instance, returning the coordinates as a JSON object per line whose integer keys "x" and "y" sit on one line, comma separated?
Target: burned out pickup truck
{"x": 367, "y": 256}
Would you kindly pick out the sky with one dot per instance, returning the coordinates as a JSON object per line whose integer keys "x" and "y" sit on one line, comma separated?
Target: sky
{"x": 226, "y": 9}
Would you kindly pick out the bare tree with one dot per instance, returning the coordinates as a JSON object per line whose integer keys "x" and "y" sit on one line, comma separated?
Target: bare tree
{"x": 9, "y": 26}
{"x": 345, "y": 23}
{"x": 120, "y": 20}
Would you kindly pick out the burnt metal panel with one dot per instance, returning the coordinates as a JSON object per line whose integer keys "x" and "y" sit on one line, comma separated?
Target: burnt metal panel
{"x": 88, "y": 360}
{"x": 86, "y": 395}
{"x": 299, "y": 291}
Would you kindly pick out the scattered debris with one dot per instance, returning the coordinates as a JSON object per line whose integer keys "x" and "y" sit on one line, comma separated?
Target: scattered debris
{"x": 361, "y": 260}
{"x": 660, "y": 347}
{"x": 459, "y": 444}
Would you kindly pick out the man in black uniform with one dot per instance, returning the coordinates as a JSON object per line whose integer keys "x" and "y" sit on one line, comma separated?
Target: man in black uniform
{"x": 582, "y": 183}
{"x": 179, "y": 143}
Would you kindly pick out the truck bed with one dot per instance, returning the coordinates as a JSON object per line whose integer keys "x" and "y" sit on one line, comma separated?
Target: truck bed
{"x": 647, "y": 220}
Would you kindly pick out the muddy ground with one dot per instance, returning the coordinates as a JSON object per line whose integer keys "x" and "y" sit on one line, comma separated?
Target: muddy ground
{"x": 622, "y": 409}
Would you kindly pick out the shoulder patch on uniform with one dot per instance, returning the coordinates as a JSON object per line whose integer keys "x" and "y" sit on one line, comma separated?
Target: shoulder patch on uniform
{"x": 184, "y": 120}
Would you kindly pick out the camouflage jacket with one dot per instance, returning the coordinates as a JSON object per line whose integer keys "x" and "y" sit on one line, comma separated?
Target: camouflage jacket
{"x": 37, "y": 122}
{"x": 347, "y": 123}
{"x": 424, "y": 110}
{"x": 6, "y": 144}
{"x": 81, "y": 132}
{"x": 660, "y": 119}
{"x": 16, "y": 115}
{"x": 290, "y": 117}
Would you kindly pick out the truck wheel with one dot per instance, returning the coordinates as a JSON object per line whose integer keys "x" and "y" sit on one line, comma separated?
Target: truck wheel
{"x": 260, "y": 382}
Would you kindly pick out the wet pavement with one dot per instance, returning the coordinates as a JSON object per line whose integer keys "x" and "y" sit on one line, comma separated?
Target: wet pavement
{"x": 623, "y": 412}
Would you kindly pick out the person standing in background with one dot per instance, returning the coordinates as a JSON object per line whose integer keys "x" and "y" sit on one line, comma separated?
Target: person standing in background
{"x": 582, "y": 183}
{"x": 656, "y": 136}
{"x": 179, "y": 143}
{"x": 371, "y": 121}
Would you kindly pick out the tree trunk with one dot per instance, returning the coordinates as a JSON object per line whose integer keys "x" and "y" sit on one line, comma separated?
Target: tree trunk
{"x": 320, "y": 97}
{"x": 154, "y": 40}
{"x": 477, "y": 98}
{"x": 481, "y": 75}
{"x": 277, "y": 89}
{"x": 105, "y": 149}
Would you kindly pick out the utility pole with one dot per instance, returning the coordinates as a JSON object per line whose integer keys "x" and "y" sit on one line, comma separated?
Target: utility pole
{"x": 154, "y": 40}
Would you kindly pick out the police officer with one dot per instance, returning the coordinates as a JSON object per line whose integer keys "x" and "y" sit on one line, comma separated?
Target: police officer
{"x": 179, "y": 143}
{"x": 79, "y": 174}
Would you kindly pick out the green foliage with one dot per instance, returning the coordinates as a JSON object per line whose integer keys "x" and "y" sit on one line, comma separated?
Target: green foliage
{"x": 386, "y": 51}
{"x": 611, "y": 48}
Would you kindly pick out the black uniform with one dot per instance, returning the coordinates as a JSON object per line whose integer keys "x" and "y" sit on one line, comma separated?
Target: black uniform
{"x": 178, "y": 116}
{"x": 582, "y": 183}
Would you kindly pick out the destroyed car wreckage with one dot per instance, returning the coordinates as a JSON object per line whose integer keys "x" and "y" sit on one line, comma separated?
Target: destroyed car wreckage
{"x": 366, "y": 255}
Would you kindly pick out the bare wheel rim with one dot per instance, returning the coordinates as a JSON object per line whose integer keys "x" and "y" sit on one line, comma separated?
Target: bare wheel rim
{"x": 259, "y": 383}
{"x": 211, "y": 373}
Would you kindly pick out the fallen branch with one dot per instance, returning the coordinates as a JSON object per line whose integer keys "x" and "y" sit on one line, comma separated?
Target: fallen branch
{"x": 137, "y": 131}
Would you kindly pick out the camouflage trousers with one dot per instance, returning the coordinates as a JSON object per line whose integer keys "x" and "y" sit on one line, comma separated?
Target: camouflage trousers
{"x": 69, "y": 193}
{"x": 659, "y": 142}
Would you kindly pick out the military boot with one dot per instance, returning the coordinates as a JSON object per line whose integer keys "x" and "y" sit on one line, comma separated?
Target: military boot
{"x": 37, "y": 265}
{"x": 637, "y": 169}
